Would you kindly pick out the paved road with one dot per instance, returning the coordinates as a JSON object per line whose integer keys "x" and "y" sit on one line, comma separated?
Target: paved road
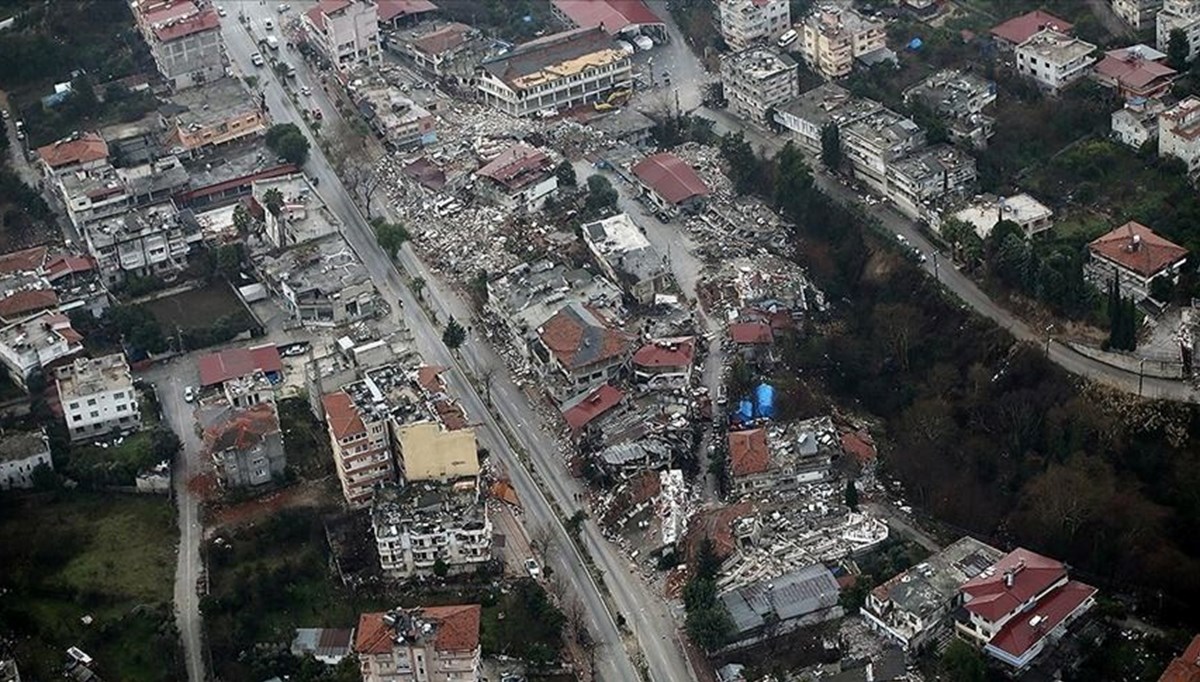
{"x": 653, "y": 625}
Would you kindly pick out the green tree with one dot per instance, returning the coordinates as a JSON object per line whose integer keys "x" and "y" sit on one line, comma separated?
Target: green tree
{"x": 273, "y": 199}
{"x": 287, "y": 140}
{"x": 962, "y": 662}
{"x": 242, "y": 220}
{"x": 1177, "y": 49}
{"x": 164, "y": 444}
{"x": 391, "y": 236}
{"x": 566, "y": 174}
{"x": 601, "y": 197}
{"x": 851, "y": 495}
{"x": 710, "y": 628}
{"x": 440, "y": 568}
{"x": 454, "y": 335}
{"x": 831, "y": 146}
{"x": 745, "y": 169}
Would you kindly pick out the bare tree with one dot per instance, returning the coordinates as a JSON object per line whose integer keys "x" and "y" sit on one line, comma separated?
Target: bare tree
{"x": 353, "y": 159}
{"x": 487, "y": 374}
{"x": 541, "y": 539}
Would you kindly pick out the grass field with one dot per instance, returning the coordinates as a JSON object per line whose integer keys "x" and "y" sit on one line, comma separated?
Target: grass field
{"x": 198, "y": 308}
{"x": 70, "y": 554}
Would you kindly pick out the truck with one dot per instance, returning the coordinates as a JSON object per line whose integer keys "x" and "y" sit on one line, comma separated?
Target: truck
{"x": 273, "y": 43}
{"x": 289, "y": 70}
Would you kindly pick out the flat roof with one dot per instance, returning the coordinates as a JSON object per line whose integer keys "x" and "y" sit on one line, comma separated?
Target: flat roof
{"x": 212, "y": 103}
{"x": 18, "y": 445}
{"x": 1056, "y": 47}
{"x": 553, "y": 57}
{"x": 327, "y": 265}
{"x": 88, "y": 376}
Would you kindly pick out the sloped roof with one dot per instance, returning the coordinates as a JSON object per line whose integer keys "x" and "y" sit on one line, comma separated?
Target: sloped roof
{"x": 62, "y": 266}
{"x": 613, "y": 16}
{"x": 1022, "y": 633}
{"x": 443, "y": 39}
{"x": 457, "y": 626}
{"x": 1185, "y": 668}
{"x": 666, "y": 353}
{"x": 517, "y": 166}
{"x": 373, "y": 635}
{"x": 670, "y": 177}
{"x": 1021, "y": 28}
{"x": 386, "y": 10}
{"x": 25, "y": 260}
{"x": 1129, "y": 69}
{"x": 206, "y": 20}
{"x": 592, "y": 405}
{"x": 342, "y": 415}
{"x": 1032, "y": 573}
{"x": 28, "y": 301}
{"x": 579, "y": 336}
{"x": 243, "y": 429}
{"x": 1151, "y": 255}
{"x": 233, "y": 363}
{"x": 748, "y": 452}
{"x": 85, "y": 148}
{"x": 751, "y": 333}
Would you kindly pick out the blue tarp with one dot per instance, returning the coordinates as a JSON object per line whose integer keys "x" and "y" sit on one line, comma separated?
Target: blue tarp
{"x": 764, "y": 399}
{"x": 915, "y": 44}
{"x": 745, "y": 410}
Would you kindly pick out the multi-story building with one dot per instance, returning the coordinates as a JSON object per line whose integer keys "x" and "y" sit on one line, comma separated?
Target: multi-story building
{"x": 185, "y": 40}
{"x": 960, "y": 97}
{"x": 21, "y": 453}
{"x": 302, "y": 215}
{"x": 782, "y": 456}
{"x": 1139, "y": 14}
{"x": 135, "y": 142}
{"x": 1054, "y": 60}
{"x": 665, "y": 362}
{"x": 98, "y": 397}
{"x": 1133, "y": 256}
{"x": 831, "y": 38}
{"x": 321, "y": 283}
{"x": 1179, "y": 15}
{"x": 807, "y": 115}
{"x": 215, "y": 113}
{"x": 986, "y": 210}
{"x": 520, "y": 178}
{"x": 559, "y": 71}
{"x": 421, "y": 527}
{"x": 1136, "y": 123}
{"x": 746, "y": 22}
{"x": 79, "y": 152}
{"x": 246, "y": 445}
{"x": 1179, "y": 133}
{"x": 154, "y": 241}
{"x": 1011, "y": 33}
{"x": 758, "y": 79}
{"x": 31, "y": 346}
{"x": 625, "y": 255}
{"x": 423, "y": 644}
{"x": 1020, "y": 605}
{"x": 345, "y": 31}
{"x": 1137, "y": 72}
{"x": 358, "y": 434}
{"x": 396, "y": 118}
{"x": 914, "y": 607}
{"x": 919, "y": 181}
{"x": 871, "y": 143}
{"x": 579, "y": 349}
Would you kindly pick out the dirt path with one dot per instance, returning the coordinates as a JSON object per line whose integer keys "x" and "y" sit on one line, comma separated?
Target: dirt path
{"x": 306, "y": 494}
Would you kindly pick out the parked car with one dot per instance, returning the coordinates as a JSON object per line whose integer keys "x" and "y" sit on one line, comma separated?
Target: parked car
{"x": 531, "y": 566}
{"x": 220, "y": 11}
{"x": 189, "y": 394}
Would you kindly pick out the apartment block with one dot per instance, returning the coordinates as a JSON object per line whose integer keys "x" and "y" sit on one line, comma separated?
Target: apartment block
{"x": 1179, "y": 133}
{"x": 98, "y": 397}
{"x": 579, "y": 348}
{"x": 758, "y": 79}
{"x": 153, "y": 241}
{"x": 559, "y": 71}
{"x": 423, "y": 644}
{"x": 744, "y": 23}
{"x": 960, "y": 97}
{"x": 21, "y": 453}
{"x": 33, "y": 345}
{"x": 831, "y": 38}
{"x": 246, "y": 445}
{"x": 521, "y": 178}
{"x": 871, "y": 143}
{"x": 345, "y": 31}
{"x": 1179, "y": 15}
{"x": 419, "y": 526}
{"x": 321, "y": 283}
{"x": 185, "y": 40}
{"x": 1055, "y": 60}
{"x": 782, "y": 456}
{"x": 432, "y": 438}
{"x": 808, "y": 114}
{"x": 358, "y": 434}
{"x": 1139, "y": 14}
{"x": 1136, "y": 123}
{"x": 211, "y": 115}
{"x": 624, "y": 254}
{"x": 925, "y": 178}
{"x": 398, "y": 120}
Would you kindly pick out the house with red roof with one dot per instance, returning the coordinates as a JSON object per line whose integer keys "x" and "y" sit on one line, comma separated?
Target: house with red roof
{"x": 185, "y": 40}
{"x": 579, "y": 348}
{"x": 440, "y": 641}
{"x": 434, "y": 49}
{"x": 629, "y": 17}
{"x": 246, "y": 445}
{"x": 397, "y": 13}
{"x": 1135, "y": 71}
{"x": 520, "y": 178}
{"x": 236, "y": 363}
{"x": 346, "y": 32}
{"x": 79, "y": 152}
{"x": 1017, "y": 30}
{"x": 1184, "y": 668}
{"x": 358, "y": 435}
{"x": 665, "y": 361}
{"x": 782, "y": 456}
{"x": 584, "y": 409}
{"x": 1021, "y": 605}
{"x": 1134, "y": 256}
{"x": 754, "y": 339}
{"x": 671, "y": 184}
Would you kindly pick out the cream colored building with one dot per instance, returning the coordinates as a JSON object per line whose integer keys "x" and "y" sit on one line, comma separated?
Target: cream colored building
{"x": 1182, "y": 15}
{"x": 213, "y": 114}
{"x": 1055, "y": 60}
{"x": 1179, "y": 133}
{"x": 746, "y": 22}
{"x": 1138, "y": 14}
{"x": 97, "y": 397}
{"x": 345, "y": 31}
{"x": 358, "y": 435}
{"x": 831, "y": 38}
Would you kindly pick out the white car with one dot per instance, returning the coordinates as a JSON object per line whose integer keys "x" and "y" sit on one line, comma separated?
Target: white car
{"x": 256, "y": 59}
{"x": 268, "y": 24}
{"x": 284, "y": 7}
{"x": 306, "y": 91}
{"x": 220, "y": 11}
{"x": 531, "y": 566}
{"x": 189, "y": 394}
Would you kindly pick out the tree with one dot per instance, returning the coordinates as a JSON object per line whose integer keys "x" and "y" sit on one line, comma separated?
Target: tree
{"x": 273, "y": 199}
{"x": 440, "y": 568}
{"x": 287, "y": 140}
{"x": 851, "y": 495}
{"x": 164, "y": 444}
{"x": 601, "y": 196}
{"x": 242, "y": 220}
{"x": 454, "y": 336}
{"x": 710, "y": 628}
{"x": 745, "y": 169}
{"x": 391, "y": 236}
{"x": 1177, "y": 49}
{"x": 566, "y": 174}
{"x": 962, "y": 662}
{"x": 831, "y": 146}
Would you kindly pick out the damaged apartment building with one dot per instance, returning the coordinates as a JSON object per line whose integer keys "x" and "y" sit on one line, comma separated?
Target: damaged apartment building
{"x": 423, "y": 526}
{"x": 621, "y": 249}
{"x": 782, "y": 456}
{"x": 321, "y": 283}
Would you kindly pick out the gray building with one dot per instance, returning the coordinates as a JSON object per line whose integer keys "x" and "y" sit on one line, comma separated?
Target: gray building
{"x": 925, "y": 178}
{"x": 21, "y": 453}
{"x": 873, "y": 142}
{"x": 769, "y": 608}
{"x": 757, "y": 79}
{"x": 136, "y": 141}
{"x": 246, "y": 445}
{"x": 185, "y": 40}
{"x": 808, "y": 114}
{"x": 960, "y": 97}
{"x": 625, "y": 255}
{"x": 322, "y": 283}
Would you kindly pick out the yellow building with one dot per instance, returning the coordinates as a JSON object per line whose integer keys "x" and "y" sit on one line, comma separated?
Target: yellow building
{"x": 431, "y": 451}
{"x": 832, "y": 38}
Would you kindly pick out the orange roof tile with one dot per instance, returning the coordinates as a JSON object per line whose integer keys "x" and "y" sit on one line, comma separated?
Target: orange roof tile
{"x": 748, "y": 452}
{"x": 84, "y": 149}
{"x": 1185, "y": 668}
{"x": 579, "y": 336}
{"x": 26, "y": 260}
{"x": 457, "y": 626}
{"x": 373, "y": 635}
{"x": 1136, "y": 247}
{"x": 342, "y": 415}
{"x": 21, "y": 302}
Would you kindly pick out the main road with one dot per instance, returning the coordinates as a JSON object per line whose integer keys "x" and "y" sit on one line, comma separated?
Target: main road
{"x": 533, "y": 450}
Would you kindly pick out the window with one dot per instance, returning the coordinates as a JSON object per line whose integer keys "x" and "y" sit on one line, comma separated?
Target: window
{"x": 122, "y": 407}
{"x": 91, "y": 402}
{"x": 118, "y": 395}
{"x": 77, "y": 418}
{"x": 74, "y": 405}
{"x": 95, "y": 414}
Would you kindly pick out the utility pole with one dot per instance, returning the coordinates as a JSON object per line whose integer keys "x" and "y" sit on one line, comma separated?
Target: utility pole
{"x": 1141, "y": 374}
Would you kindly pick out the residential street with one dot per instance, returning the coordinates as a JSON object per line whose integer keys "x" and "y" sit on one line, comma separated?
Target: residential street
{"x": 664, "y": 659}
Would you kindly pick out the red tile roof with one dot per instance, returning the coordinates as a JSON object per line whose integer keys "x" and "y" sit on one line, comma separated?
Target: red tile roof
{"x": 716, "y": 525}
{"x": 444, "y": 39}
{"x": 86, "y": 148}
{"x": 1185, "y": 668}
{"x": 1151, "y": 256}
{"x": 386, "y": 10}
{"x": 614, "y": 15}
{"x": 518, "y": 166}
{"x": 342, "y": 415}
{"x": 1019, "y": 29}
{"x": 670, "y": 177}
{"x": 1023, "y": 632}
{"x": 751, "y": 333}
{"x": 430, "y": 378}
{"x": 1032, "y": 573}
{"x": 206, "y": 20}
{"x": 26, "y": 260}
{"x": 666, "y": 353}
{"x": 748, "y": 452}
{"x": 156, "y": 14}
{"x": 859, "y": 445}
{"x": 22, "y": 302}
{"x": 1132, "y": 70}
{"x": 457, "y": 626}
{"x": 244, "y": 429}
{"x": 373, "y": 635}
{"x": 579, "y": 336}
{"x": 591, "y": 406}
{"x": 233, "y": 363}
{"x": 62, "y": 266}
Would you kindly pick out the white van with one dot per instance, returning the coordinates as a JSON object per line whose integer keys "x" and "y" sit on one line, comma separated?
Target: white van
{"x": 787, "y": 38}
{"x": 643, "y": 42}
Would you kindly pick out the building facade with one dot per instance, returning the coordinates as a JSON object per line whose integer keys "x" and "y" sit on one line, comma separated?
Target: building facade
{"x": 362, "y": 455}
{"x": 1054, "y": 60}
{"x": 1179, "y": 133}
{"x": 21, "y": 453}
{"x": 807, "y": 115}
{"x": 961, "y": 97}
{"x": 744, "y": 23}
{"x": 1179, "y": 15}
{"x": 1136, "y": 123}
{"x": 213, "y": 114}
{"x": 31, "y": 346}
{"x": 919, "y": 182}
{"x": 758, "y": 79}
{"x": 621, "y": 249}
{"x": 152, "y": 242}
{"x": 345, "y": 31}
{"x": 419, "y": 528}
{"x": 246, "y": 445}
{"x": 831, "y": 38}
{"x": 188, "y": 50}
{"x": 1139, "y": 14}
{"x": 873, "y": 142}
{"x": 1133, "y": 256}
{"x": 423, "y": 644}
{"x": 98, "y": 397}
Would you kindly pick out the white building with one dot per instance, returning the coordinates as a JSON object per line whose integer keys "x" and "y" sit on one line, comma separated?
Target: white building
{"x": 831, "y": 38}
{"x": 1033, "y": 216}
{"x": 758, "y": 79}
{"x": 746, "y": 22}
{"x": 807, "y": 115}
{"x": 422, "y": 526}
{"x": 98, "y": 397}
{"x": 625, "y": 256}
{"x": 1055, "y": 60}
{"x": 154, "y": 241}
{"x": 871, "y": 143}
{"x": 521, "y": 178}
{"x": 961, "y": 97}
{"x": 22, "y": 452}
{"x": 559, "y": 71}
{"x": 345, "y": 31}
{"x": 919, "y": 181}
{"x": 1136, "y": 123}
{"x": 1138, "y": 14}
{"x": 1179, "y": 133}
{"x": 30, "y": 346}
{"x": 1182, "y": 15}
